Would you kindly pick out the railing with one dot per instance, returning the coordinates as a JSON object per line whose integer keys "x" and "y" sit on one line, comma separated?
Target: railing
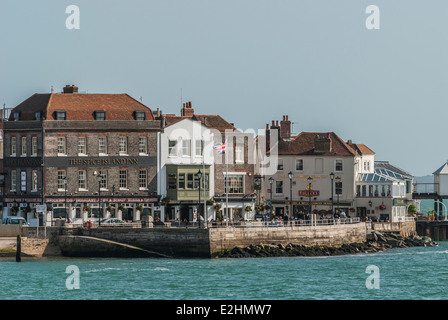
{"x": 248, "y": 224}
{"x": 425, "y": 187}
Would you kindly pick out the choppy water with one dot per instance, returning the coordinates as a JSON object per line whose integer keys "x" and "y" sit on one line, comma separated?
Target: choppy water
{"x": 413, "y": 273}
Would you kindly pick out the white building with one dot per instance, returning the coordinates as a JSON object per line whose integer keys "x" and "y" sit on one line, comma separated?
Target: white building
{"x": 185, "y": 149}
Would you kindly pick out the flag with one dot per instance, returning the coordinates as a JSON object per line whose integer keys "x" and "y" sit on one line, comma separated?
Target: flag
{"x": 220, "y": 147}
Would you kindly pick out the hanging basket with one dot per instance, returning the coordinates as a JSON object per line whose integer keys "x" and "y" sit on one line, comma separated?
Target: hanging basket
{"x": 382, "y": 207}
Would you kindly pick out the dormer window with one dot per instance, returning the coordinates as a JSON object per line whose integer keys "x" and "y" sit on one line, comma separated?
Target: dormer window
{"x": 16, "y": 116}
{"x": 38, "y": 115}
{"x": 100, "y": 115}
{"x": 60, "y": 115}
{"x": 139, "y": 115}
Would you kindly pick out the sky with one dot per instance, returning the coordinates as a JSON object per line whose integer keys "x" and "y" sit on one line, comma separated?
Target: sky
{"x": 251, "y": 61}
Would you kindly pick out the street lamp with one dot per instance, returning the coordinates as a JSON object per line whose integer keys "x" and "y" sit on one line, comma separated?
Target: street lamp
{"x": 199, "y": 175}
{"x": 309, "y": 192}
{"x": 65, "y": 196}
{"x": 290, "y": 195}
{"x": 338, "y": 181}
{"x": 271, "y": 181}
{"x": 332, "y": 193}
{"x": 100, "y": 177}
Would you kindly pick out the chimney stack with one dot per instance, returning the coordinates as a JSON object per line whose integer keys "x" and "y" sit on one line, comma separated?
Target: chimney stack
{"x": 285, "y": 128}
{"x": 187, "y": 110}
{"x": 70, "y": 89}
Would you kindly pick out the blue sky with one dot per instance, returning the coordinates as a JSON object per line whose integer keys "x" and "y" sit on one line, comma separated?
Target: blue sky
{"x": 252, "y": 61}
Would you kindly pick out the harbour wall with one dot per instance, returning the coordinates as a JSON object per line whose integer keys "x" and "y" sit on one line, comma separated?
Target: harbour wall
{"x": 192, "y": 242}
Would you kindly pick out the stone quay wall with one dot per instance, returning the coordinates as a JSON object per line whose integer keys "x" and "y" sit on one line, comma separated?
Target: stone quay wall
{"x": 222, "y": 239}
{"x": 193, "y": 242}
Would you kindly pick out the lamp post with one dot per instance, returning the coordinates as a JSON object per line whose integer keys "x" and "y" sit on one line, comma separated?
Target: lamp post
{"x": 338, "y": 180}
{"x": 332, "y": 193}
{"x": 65, "y": 196}
{"x": 309, "y": 192}
{"x": 271, "y": 181}
{"x": 199, "y": 175}
{"x": 290, "y": 195}
{"x": 100, "y": 177}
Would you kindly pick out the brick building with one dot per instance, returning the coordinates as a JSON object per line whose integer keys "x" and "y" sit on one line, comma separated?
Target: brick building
{"x": 98, "y": 148}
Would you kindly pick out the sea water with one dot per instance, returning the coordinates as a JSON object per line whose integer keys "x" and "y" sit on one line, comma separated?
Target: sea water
{"x": 409, "y": 273}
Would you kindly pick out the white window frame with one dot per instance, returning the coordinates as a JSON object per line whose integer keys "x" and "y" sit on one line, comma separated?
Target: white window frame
{"x": 123, "y": 146}
{"x": 143, "y": 179}
{"x": 34, "y": 146}
{"x": 102, "y": 146}
{"x": 186, "y": 148}
{"x": 82, "y": 146}
{"x": 336, "y": 162}
{"x": 239, "y": 153}
{"x": 62, "y": 176}
{"x": 13, "y": 146}
{"x": 23, "y": 146}
{"x": 143, "y": 146}
{"x": 199, "y": 148}
{"x": 299, "y": 170}
{"x": 34, "y": 179}
{"x": 82, "y": 180}
{"x": 62, "y": 146}
{"x": 123, "y": 177}
{"x": 172, "y": 149}
{"x": 13, "y": 180}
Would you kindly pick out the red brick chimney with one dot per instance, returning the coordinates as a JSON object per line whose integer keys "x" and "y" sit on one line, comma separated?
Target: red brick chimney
{"x": 285, "y": 128}
{"x": 187, "y": 110}
{"x": 70, "y": 89}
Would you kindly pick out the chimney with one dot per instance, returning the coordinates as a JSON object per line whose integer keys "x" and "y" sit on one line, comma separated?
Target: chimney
{"x": 70, "y": 89}
{"x": 275, "y": 126}
{"x": 285, "y": 128}
{"x": 187, "y": 110}
{"x": 322, "y": 144}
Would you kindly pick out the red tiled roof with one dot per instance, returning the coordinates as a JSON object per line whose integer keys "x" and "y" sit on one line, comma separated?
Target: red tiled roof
{"x": 362, "y": 149}
{"x": 81, "y": 106}
{"x": 305, "y": 144}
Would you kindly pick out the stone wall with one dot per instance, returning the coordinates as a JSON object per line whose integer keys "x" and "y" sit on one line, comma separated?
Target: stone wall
{"x": 328, "y": 235}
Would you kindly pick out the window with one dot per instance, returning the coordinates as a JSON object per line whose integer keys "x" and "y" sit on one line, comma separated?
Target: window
{"x": 38, "y": 115}
{"x": 234, "y": 183}
{"x": 358, "y": 191}
{"x": 139, "y": 115}
{"x": 23, "y": 146}
{"x": 199, "y": 148}
{"x": 143, "y": 179}
{"x": 278, "y": 187}
{"x": 62, "y": 179}
{"x": 13, "y": 180}
{"x": 190, "y": 178}
{"x": 364, "y": 191}
{"x": 82, "y": 145}
{"x": 280, "y": 165}
{"x": 172, "y": 148}
{"x": 181, "y": 180}
{"x": 100, "y": 115}
{"x": 171, "y": 181}
{"x": 34, "y": 180}
{"x": 62, "y": 150}
{"x": 338, "y": 165}
{"x": 13, "y": 146}
{"x": 82, "y": 182}
{"x": 123, "y": 147}
{"x": 123, "y": 179}
{"x": 299, "y": 164}
{"x": 370, "y": 191}
{"x": 60, "y": 115}
{"x": 34, "y": 146}
{"x": 103, "y": 179}
{"x": 143, "y": 145}
{"x": 102, "y": 145}
{"x": 16, "y": 116}
{"x": 239, "y": 154}
{"x": 338, "y": 187}
{"x": 23, "y": 181}
{"x": 186, "y": 148}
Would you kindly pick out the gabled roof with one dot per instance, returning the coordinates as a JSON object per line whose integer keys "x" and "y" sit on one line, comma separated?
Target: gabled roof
{"x": 362, "y": 149}
{"x": 443, "y": 169}
{"x": 81, "y": 106}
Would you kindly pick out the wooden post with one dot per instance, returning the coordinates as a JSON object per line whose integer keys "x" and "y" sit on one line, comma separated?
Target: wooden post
{"x": 19, "y": 249}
